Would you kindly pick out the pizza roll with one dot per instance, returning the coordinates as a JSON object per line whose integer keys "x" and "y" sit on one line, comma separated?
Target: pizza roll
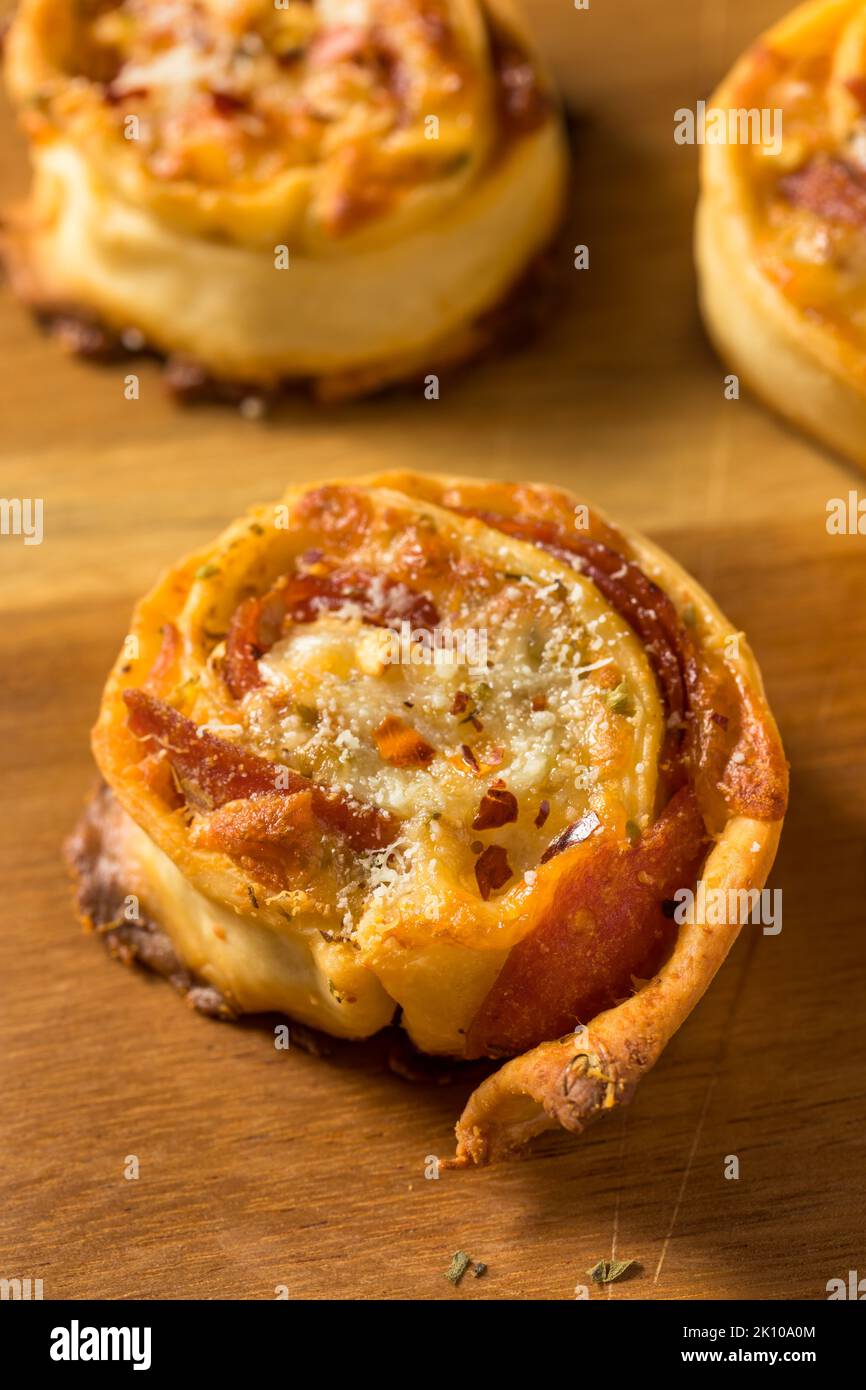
{"x": 334, "y": 191}
{"x": 440, "y": 752}
{"x": 781, "y": 229}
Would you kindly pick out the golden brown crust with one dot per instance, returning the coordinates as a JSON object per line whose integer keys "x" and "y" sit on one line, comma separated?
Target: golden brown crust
{"x": 232, "y": 865}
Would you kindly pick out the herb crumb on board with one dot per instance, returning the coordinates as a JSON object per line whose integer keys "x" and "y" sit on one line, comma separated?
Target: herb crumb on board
{"x": 608, "y": 1271}
{"x": 460, "y": 1263}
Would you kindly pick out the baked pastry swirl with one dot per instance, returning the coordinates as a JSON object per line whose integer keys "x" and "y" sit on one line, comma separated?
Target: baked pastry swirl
{"x": 781, "y": 230}
{"x": 338, "y": 191}
{"x": 440, "y": 748}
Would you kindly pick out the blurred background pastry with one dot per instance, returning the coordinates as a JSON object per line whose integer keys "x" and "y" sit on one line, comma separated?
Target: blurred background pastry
{"x": 781, "y": 229}
{"x": 340, "y": 192}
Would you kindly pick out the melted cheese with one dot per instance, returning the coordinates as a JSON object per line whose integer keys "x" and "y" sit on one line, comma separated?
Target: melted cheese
{"x": 572, "y": 753}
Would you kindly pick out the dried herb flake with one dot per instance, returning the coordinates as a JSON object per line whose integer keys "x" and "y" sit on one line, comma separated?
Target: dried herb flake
{"x": 460, "y": 1262}
{"x": 608, "y": 1271}
{"x": 619, "y": 700}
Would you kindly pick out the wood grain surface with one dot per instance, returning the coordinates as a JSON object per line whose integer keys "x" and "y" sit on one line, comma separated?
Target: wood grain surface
{"x": 260, "y": 1168}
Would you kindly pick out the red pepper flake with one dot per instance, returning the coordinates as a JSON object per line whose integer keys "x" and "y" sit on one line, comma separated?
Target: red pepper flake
{"x": 492, "y": 870}
{"x": 543, "y": 813}
{"x": 720, "y": 719}
{"x": 498, "y": 807}
{"x": 572, "y": 835}
{"x": 400, "y": 745}
{"x": 227, "y": 104}
{"x": 469, "y": 757}
{"x": 461, "y": 703}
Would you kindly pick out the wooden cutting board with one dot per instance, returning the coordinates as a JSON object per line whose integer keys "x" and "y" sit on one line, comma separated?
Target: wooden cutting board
{"x": 259, "y": 1168}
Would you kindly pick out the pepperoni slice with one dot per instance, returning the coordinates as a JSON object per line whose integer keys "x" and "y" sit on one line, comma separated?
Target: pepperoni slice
{"x": 301, "y": 598}
{"x": 604, "y": 924}
{"x": 254, "y": 628}
{"x": 213, "y": 772}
